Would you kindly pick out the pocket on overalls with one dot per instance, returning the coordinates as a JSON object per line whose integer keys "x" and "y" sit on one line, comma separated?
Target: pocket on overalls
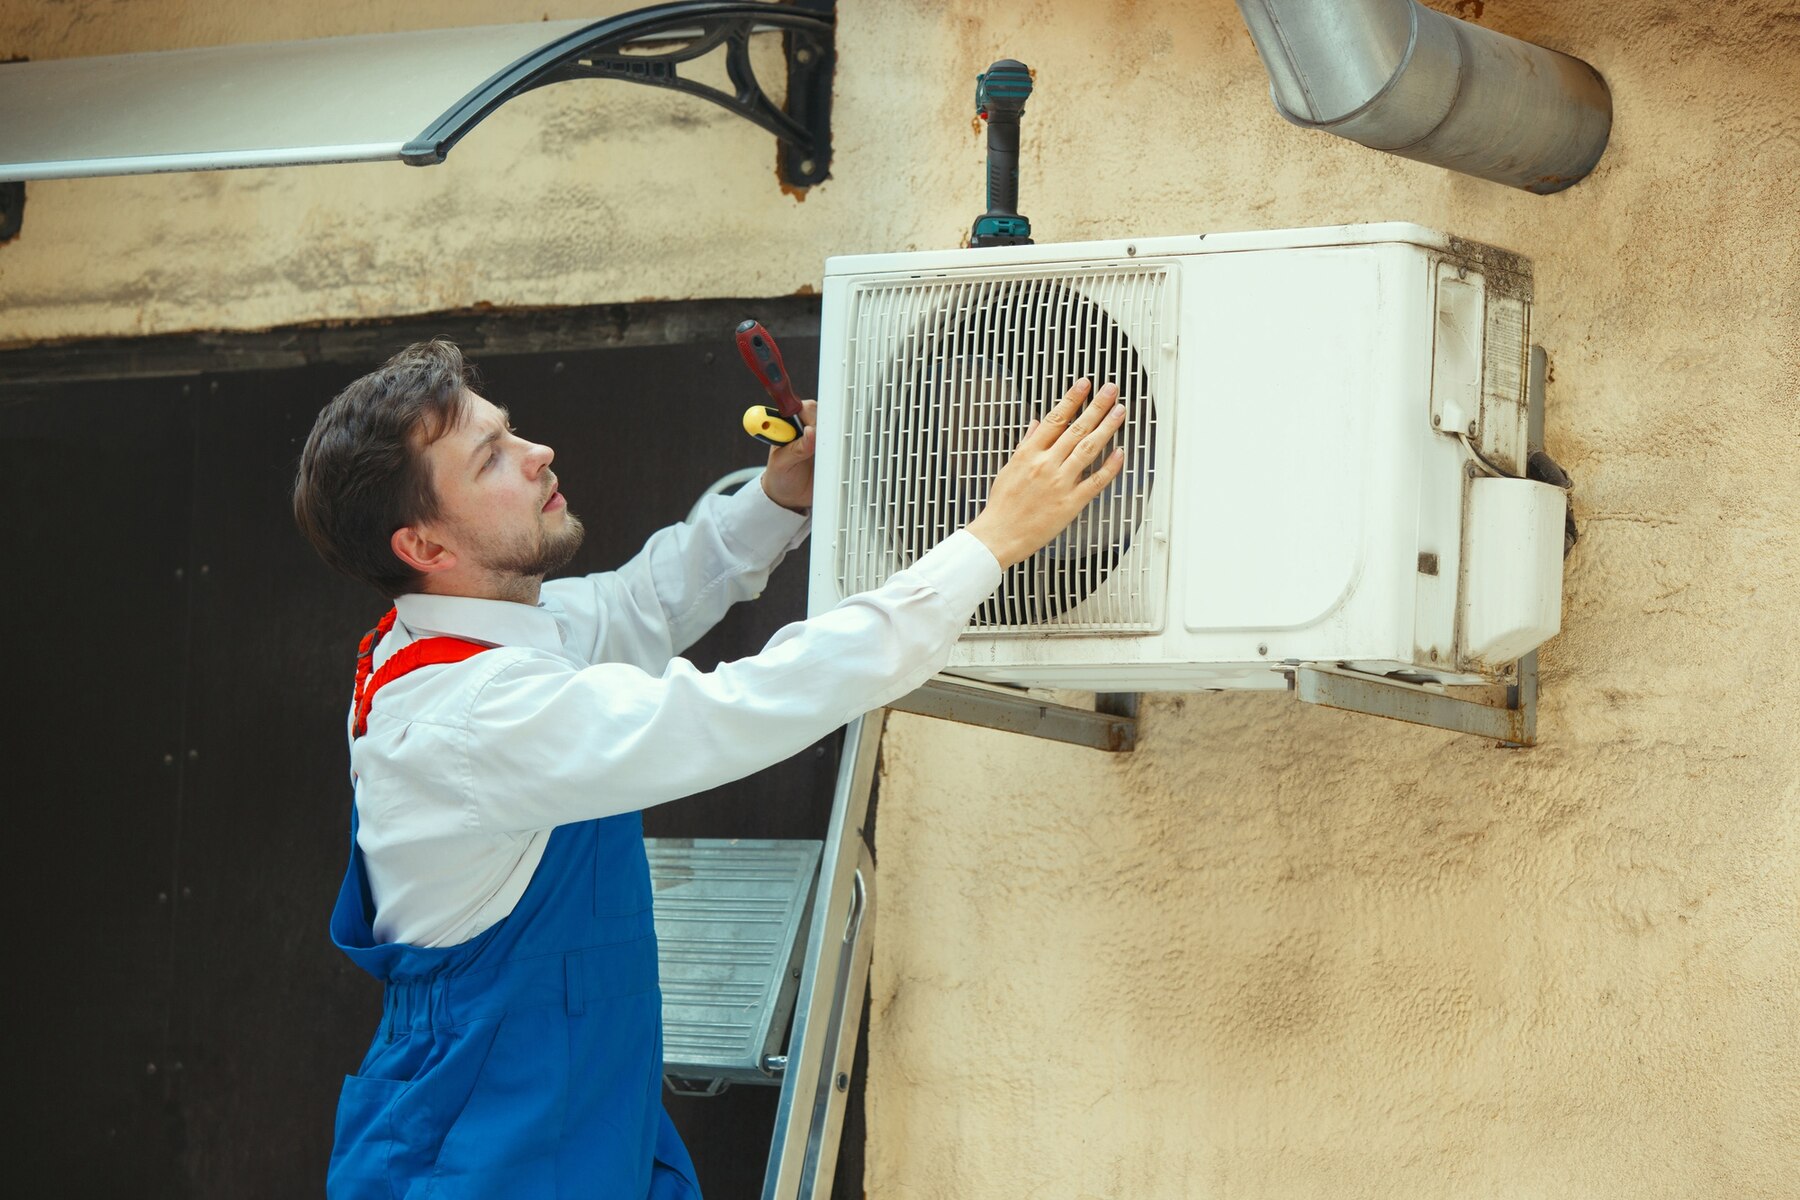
{"x": 504, "y": 1140}
{"x": 360, "y": 1148}
{"x": 391, "y": 1130}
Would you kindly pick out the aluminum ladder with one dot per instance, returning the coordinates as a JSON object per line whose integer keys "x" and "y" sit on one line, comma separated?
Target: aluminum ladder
{"x": 753, "y": 932}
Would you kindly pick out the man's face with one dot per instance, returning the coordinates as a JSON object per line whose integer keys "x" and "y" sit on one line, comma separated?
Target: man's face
{"x": 500, "y": 510}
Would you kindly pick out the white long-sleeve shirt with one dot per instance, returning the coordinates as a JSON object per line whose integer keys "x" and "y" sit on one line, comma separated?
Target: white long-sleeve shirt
{"x": 583, "y": 710}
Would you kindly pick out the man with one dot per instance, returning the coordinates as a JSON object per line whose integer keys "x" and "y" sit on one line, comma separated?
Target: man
{"x": 507, "y": 732}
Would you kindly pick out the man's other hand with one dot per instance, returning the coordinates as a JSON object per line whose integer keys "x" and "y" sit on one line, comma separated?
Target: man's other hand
{"x": 1043, "y": 486}
{"x": 788, "y": 479}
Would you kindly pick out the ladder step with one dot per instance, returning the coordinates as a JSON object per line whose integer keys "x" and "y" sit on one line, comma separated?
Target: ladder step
{"x": 730, "y": 923}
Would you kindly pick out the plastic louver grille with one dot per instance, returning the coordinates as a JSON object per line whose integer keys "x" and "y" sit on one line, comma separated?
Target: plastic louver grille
{"x": 943, "y": 378}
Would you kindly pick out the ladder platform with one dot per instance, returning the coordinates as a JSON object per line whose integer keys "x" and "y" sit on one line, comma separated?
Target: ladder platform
{"x": 731, "y": 918}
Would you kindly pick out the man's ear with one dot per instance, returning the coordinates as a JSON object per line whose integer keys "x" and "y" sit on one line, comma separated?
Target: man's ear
{"x": 412, "y": 547}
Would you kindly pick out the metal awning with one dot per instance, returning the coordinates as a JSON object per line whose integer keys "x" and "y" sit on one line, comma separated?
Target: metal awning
{"x": 406, "y": 96}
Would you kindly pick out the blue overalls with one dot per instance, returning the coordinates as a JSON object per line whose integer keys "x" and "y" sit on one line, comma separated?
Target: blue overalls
{"x": 525, "y": 1063}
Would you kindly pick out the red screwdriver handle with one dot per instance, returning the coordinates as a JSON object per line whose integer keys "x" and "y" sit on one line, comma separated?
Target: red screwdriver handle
{"x": 763, "y": 358}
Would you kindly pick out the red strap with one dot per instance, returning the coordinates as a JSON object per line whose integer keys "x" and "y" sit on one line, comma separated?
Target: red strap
{"x": 426, "y": 652}
{"x": 365, "y": 658}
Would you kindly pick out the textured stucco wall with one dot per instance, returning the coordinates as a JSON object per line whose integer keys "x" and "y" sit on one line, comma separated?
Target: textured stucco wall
{"x": 1277, "y": 951}
{"x": 1284, "y": 952}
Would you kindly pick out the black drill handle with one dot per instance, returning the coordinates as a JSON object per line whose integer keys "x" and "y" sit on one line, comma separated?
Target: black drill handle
{"x": 1003, "y": 91}
{"x": 1003, "y": 166}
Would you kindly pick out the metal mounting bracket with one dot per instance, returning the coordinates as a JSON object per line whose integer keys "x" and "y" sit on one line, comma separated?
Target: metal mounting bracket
{"x": 631, "y": 47}
{"x": 1110, "y": 725}
{"x": 1506, "y": 712}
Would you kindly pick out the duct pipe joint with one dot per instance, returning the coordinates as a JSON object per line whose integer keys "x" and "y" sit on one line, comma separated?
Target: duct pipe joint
{"x": 1410, "y": 104}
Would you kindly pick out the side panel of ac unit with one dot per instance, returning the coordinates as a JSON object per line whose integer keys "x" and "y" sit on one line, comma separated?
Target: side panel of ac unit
{"x": 1300, "y": 509}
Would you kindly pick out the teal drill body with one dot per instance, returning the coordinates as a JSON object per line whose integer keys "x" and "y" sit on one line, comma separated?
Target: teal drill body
{"x": 1000, "y": 95}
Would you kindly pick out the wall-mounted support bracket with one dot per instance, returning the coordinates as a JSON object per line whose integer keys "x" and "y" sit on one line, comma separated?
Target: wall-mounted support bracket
{"x": 1110, "y": 725}
{"x": 1506, "y": 712}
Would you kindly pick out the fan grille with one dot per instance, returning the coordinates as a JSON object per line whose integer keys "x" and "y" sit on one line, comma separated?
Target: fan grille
{"x": 944, "y": 376}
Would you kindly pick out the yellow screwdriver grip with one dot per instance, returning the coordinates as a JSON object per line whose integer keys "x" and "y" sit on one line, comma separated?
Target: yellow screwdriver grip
{"x": 766, "y": 424}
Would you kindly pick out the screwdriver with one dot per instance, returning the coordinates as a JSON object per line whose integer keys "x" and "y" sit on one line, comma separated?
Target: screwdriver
{"x": 778, "y": 425}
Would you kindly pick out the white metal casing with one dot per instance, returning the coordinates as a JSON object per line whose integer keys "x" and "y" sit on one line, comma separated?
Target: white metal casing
{"x": 1325, "y": 403}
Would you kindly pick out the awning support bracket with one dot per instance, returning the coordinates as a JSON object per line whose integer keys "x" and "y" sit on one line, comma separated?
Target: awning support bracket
{"x": 695, "y": 28}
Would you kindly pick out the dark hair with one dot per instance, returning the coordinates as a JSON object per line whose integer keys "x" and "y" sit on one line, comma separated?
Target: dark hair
{"x": 363, "y": 472}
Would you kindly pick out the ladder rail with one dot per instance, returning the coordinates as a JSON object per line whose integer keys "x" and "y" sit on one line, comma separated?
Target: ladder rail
{"x": 833, "y": 1090}
{"x": 829, "y": 941}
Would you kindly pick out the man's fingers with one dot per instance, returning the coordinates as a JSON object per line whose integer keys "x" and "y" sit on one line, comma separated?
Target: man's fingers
{"x": 1108, "y": 471}
{"x": 809, "y": 426}
{"x": 1090, "y": 448}
{"x": 1092, "y": 415}
{"x": 1057, "y": 420}
{"x": 1096, "y": 426}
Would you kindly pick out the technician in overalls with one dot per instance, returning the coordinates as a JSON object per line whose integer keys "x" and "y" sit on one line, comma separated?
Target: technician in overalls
{"x": 506, "y": 732}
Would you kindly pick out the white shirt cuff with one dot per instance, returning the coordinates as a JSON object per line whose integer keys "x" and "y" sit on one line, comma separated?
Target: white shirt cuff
{"x": 753, "y": 523}
{"x": 961, "y": 569}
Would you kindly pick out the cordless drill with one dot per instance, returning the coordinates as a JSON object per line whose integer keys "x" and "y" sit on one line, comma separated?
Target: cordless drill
{"x": 1000, "y": 94}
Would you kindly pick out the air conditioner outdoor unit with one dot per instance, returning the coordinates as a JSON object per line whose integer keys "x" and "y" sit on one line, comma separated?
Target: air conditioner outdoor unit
{"x": 1324, "y": 453}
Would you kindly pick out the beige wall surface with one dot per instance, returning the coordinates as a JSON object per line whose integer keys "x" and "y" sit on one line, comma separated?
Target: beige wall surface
{"x": 1276, "y": 951}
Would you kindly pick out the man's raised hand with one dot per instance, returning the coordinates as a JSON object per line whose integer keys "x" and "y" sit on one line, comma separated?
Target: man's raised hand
{"x": 788, "y": 479}
{"x": 1045, "y": 485}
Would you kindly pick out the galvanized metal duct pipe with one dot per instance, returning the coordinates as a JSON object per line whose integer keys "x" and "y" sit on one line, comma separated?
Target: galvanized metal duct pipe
{"x": 1400, "y": 77}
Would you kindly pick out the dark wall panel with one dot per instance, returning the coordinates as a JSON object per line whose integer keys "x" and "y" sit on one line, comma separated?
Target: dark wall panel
{"x": 93, "y": 485}
{"x": 268, "y": 1015}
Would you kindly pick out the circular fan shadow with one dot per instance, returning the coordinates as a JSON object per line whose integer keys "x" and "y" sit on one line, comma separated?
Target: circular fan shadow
{"x": 978, "y": 368}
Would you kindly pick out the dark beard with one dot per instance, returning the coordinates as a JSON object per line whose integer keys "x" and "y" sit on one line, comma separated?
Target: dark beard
{"x": 549, "y": 556}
